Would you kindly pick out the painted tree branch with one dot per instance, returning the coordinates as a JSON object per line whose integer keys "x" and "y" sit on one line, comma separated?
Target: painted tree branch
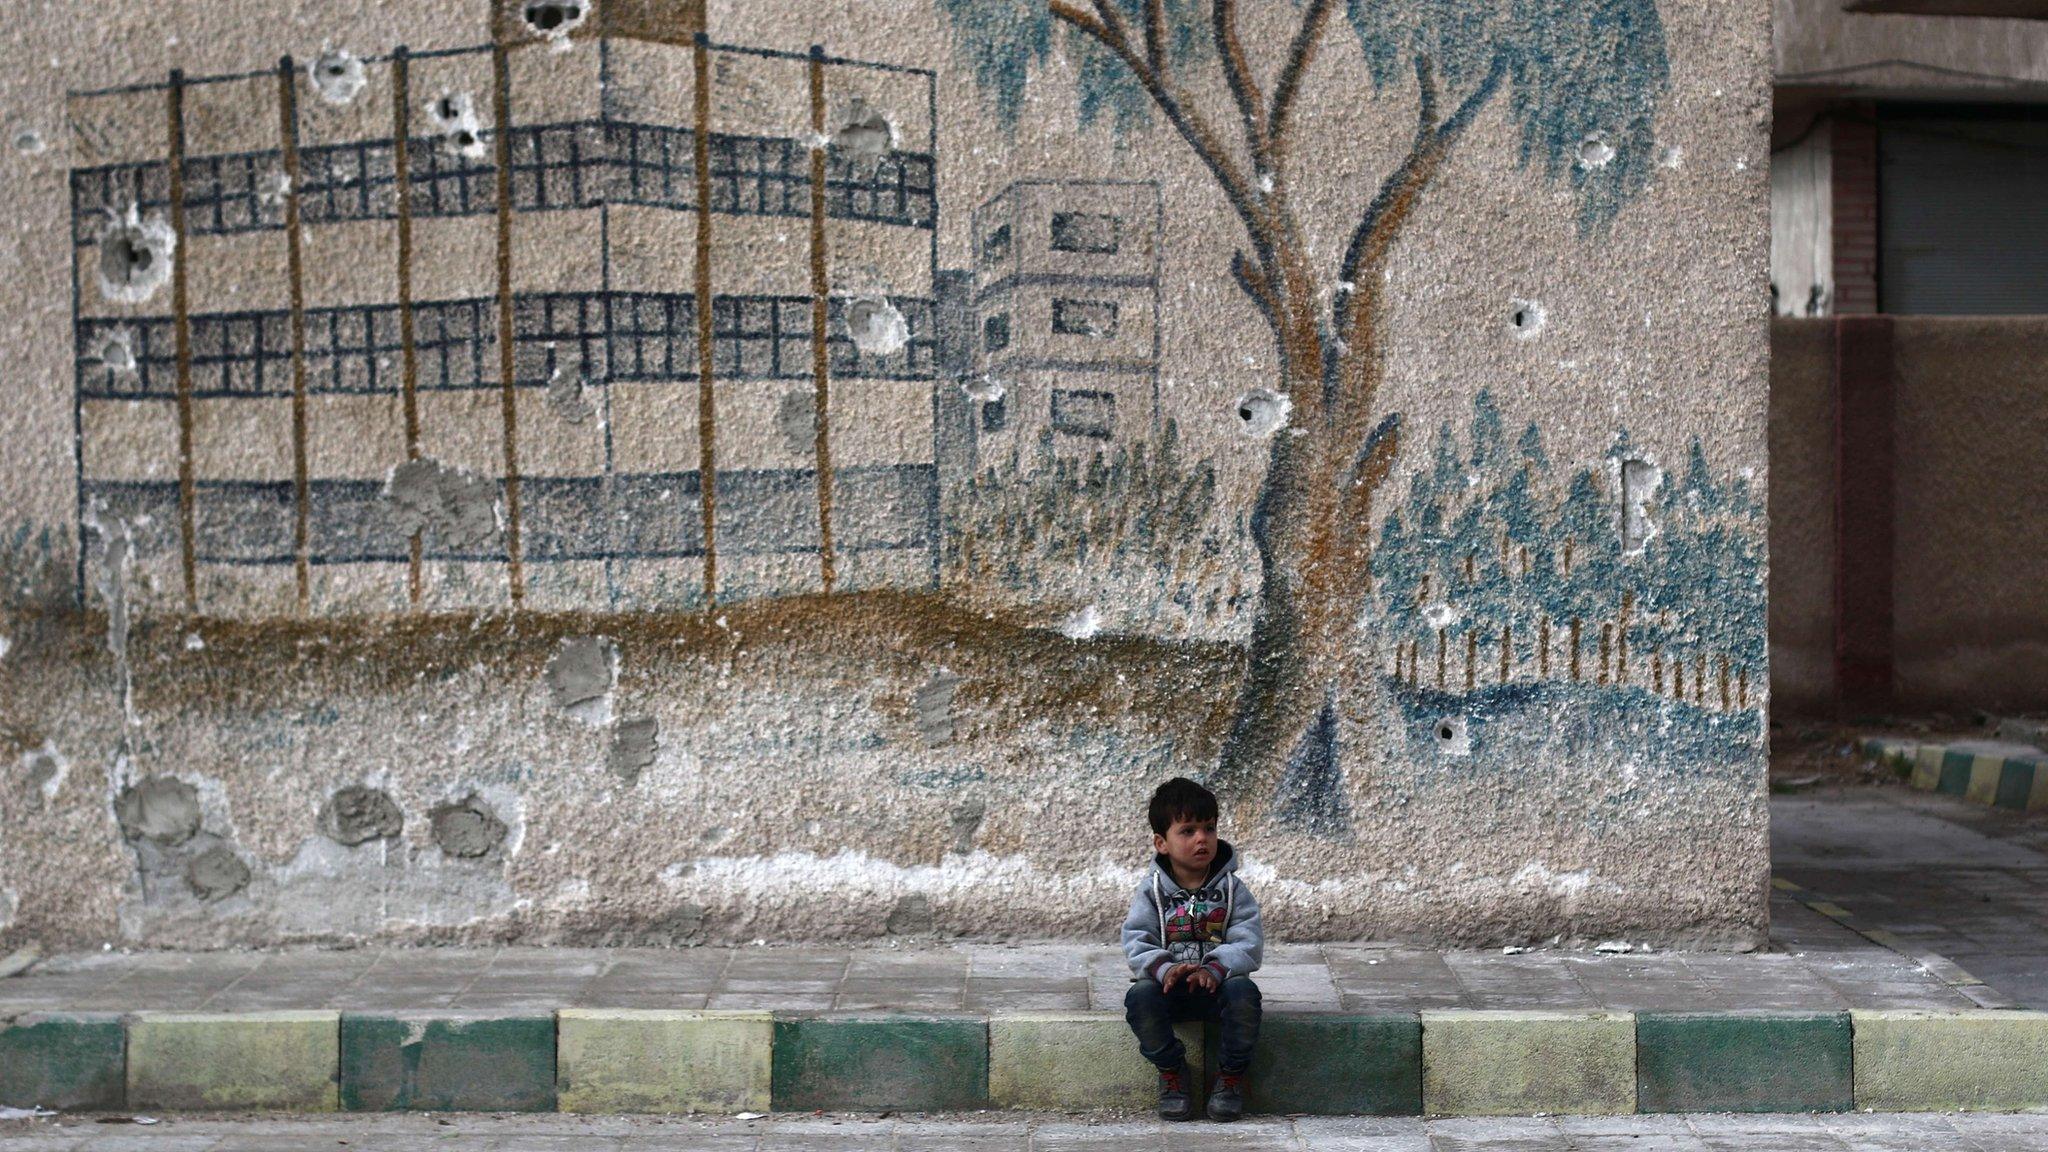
{"x": 1287, "y": 89}
{"x": 1108, "y": 28}
{"x": 1244, "y": 89}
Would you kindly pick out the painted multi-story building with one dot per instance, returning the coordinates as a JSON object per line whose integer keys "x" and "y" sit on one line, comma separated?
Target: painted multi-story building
{"x": 547, "y": 322}
{"x": 1066, "y": 293}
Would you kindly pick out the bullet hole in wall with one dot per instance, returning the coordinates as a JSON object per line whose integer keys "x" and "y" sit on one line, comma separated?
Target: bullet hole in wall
{"x": 161, "y": 809}
{"x": 358, "y": 814}
{"x": 1262, "y": 412}
{"x": 272, "y": 189}
{"x": 876, "y": 326}
{"x": 1526, "y": 318}
{"x": 453, "y": 115}
{"x": 338, "y": 76}
{"x": 865, "y": 136}
{"x": 553, "y": 18}
{"x": 114, "y": 350}
{"x": 1595, "y": 151}
{"x": 217, "y": 873}
{"x": 135, "y": 258}
{"x": 468, "y": 829}
{"x": 1453, "y": 736}
{"x": 30, "y": 142}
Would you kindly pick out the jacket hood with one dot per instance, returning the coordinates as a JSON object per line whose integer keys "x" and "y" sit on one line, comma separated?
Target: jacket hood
{"x": 1225, "y": 863}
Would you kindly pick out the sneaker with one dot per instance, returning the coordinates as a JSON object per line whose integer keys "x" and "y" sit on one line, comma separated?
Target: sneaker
{"x": 1226, "y": 1097}
{"x": 1174, "y": 1101}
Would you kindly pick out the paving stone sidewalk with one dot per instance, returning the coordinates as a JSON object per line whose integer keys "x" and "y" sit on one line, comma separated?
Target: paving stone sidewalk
{"x": 1042, "y": 1133}
{"x": 1820, "y": 967}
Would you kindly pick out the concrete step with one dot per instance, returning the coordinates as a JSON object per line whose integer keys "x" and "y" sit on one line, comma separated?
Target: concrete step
{"x": 639, "y": 1060}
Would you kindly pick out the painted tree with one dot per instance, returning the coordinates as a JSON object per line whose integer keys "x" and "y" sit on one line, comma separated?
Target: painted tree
{"x": 1581, "y": 81}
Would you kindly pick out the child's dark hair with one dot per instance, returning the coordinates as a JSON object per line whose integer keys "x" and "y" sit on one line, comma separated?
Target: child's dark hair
{"x": 1180, "y": 799}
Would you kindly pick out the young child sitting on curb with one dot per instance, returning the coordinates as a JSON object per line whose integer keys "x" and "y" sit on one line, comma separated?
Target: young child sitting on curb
{"x": 1193, "y": 939}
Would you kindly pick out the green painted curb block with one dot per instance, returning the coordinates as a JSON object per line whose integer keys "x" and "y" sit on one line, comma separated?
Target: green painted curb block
{"x": 881, "y": 1063}
{"x": 646, "y": 1060}
{"x": 444, "y": 1064}
{"x": 1074, "y": 1061}
{"x": 64, "y": 1062}
{"x": 1520, "y": 1063}
{"x": 1942, "y": 1061}
{"x": 1743, "y": 1062}
{"x": 283, "y": 1061}
{"x": 1337, "y": 1065}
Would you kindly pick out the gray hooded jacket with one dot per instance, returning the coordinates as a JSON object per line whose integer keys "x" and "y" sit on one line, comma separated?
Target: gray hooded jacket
{"x": 1216, "y": 925}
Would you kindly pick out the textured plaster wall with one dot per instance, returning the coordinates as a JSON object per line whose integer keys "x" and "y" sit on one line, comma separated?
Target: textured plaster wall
{"x": 962, "y": 751}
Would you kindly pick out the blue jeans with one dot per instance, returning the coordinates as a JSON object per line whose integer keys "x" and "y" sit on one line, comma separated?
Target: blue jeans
{"x": 1152, "y": 1013}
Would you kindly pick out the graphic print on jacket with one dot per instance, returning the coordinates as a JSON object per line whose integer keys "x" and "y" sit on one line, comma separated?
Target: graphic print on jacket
{"x": 1216, "y": 924}
{"x": 1195, "y": 922}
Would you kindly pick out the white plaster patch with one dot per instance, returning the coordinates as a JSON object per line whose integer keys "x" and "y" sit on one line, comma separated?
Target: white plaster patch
{"x": 877, "y": 326}
{"x": 46, "y": 770}
{"x": 1566, "y": 884}
{"x": 1083, "y": 624}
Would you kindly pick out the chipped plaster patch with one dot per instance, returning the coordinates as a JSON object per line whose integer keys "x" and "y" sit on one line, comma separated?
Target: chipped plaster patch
{"x": 877, "y": 326}
{"x": 580, "y": 677}
{"x": 634, "y": 743}
{"x": 45, "y": 770}
{"x": 460, "y": 509}
{"x": 1083, "y": 624}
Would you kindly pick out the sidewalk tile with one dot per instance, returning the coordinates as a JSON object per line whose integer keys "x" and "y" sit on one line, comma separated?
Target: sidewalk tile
{"x": 285, "y": 1061}
{"x": 63, "y": 1062}
{"x": 1743, "y": 1062}
{"x": 639, "y": 1060}
{"x": 881, "y": 1063}
{"x": 448, "y": 1064}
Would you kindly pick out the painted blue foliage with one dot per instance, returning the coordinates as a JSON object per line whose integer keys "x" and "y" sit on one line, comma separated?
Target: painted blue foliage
{"x": 1491, "y": 542}
{"x": 1584, "y": 78}
{"x": 1003, "y": 40}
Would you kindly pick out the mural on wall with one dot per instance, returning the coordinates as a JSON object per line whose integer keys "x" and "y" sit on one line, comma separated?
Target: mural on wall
{"x": 494, "y": 358}
{"x": 1583, "y": 82}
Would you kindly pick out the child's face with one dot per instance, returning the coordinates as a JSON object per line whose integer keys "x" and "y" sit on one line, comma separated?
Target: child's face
{"x": 1189, "y": 843}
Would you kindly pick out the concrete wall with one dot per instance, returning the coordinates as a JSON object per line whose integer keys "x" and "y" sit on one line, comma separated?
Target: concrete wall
{"x": 281, "y": 666}
{"x": 1970, "y": 519}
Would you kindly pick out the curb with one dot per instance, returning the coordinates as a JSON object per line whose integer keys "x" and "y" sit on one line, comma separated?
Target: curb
{"x": 1445, "y": 1063}
{"x": 1982, "y": 774}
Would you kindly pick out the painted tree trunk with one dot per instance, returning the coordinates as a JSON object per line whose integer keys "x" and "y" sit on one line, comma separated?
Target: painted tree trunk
{"x": 1314, "y": 548}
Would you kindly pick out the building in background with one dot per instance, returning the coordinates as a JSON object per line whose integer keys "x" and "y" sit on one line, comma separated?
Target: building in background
{"x": 587, "y": 337}
{"x": 1909, "y": 260}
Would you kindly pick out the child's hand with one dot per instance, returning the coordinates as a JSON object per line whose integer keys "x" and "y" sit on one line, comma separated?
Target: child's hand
{"x": 1202, "y": 977}
{"x": 1174, "y": 975}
